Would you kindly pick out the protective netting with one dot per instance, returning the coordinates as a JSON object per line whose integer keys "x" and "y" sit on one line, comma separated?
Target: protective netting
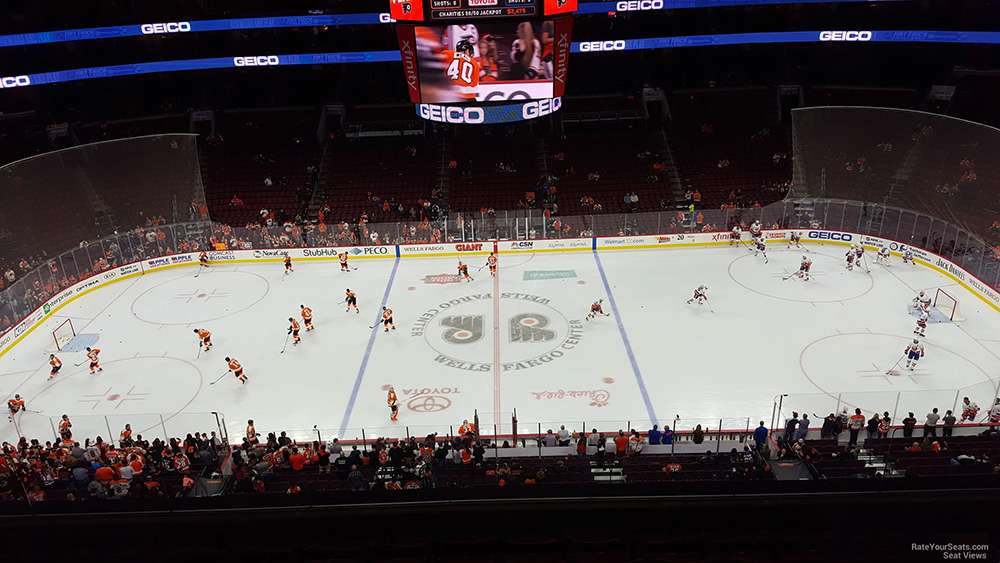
{"x": 933, "y": 164}
{"x": 54, "y": 201}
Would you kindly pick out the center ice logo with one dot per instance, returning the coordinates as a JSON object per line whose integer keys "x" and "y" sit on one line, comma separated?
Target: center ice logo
{"x": 460, "y": 332}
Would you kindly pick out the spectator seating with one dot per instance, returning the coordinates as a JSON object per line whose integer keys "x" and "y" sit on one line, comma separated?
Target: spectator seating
{"x": 479, "y": 181}
{"x": 251, "y": 146}
{"x": 390, "y": 168}
{"x": 985, "y": 449}
{"x": 724, "y": 144}
{"x": 622, "y": 156}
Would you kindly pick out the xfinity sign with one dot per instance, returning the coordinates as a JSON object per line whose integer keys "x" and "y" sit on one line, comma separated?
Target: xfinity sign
{"x": 14, "y": 81}
{"x": 268, "y": 60}
{"x": 845, "y": 36}
{"x": 168, "y": 27}
{"x": 636, "y": 5}
{"x": 594, "y": 46}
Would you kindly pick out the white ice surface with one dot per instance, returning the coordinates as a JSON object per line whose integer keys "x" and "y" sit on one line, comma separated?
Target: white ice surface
{"x": 826, "y": 343}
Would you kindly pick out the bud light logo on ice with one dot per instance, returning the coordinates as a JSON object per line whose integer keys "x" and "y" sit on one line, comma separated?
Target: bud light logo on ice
{"x": 826, "y": 235}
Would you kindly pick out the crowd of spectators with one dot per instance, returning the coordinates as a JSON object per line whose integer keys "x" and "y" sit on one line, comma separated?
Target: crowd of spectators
{"x": 65, "y": 469}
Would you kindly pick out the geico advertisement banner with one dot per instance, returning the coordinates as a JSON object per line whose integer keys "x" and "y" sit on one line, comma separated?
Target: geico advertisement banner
{"x": 513, "y": 91}
{"x": 477, "y": 115}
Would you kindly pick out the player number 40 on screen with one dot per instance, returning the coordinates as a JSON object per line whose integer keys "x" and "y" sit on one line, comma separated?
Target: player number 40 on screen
{"x": 460, "y": 69}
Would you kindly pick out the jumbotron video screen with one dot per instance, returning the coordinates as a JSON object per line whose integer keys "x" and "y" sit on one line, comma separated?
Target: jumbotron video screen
{"x": 483, "y": 62}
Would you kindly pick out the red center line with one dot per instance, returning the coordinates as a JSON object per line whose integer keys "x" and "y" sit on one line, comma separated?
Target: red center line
{"x": 496, "y": 341}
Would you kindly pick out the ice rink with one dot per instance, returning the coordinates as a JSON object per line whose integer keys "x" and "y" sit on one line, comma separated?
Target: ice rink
{"x": 520, "y": 342}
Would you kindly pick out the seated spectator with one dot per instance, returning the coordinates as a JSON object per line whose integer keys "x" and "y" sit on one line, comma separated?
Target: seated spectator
{"x": 654, "y": 435}
{"x": 697, "y": 435}
{"x": 549, "y": 440}
{"x": 563, "y": 437}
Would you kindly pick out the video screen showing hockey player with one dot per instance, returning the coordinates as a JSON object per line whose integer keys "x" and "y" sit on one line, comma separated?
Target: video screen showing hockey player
{"x": 485, "y": 62}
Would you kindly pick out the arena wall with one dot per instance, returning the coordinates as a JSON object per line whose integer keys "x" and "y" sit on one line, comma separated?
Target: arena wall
{"x": 660, "y": 242}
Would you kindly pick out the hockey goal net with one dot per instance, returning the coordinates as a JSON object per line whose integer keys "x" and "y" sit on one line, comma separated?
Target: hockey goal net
{"x": 947, "y": 304}
{"x": 63, "y": 334}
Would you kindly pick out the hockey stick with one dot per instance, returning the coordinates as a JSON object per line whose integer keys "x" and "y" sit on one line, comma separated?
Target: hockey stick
{"x": 220, "y": 378}
{"x": 198, "y": 273}
{"x": 199, "y": 352}
{"x": 287, "y": 336}
{"x": 890, "y": 370}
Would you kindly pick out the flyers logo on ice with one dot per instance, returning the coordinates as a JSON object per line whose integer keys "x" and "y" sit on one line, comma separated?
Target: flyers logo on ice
{"x": 530, "y": 327}
{"x": 537, "y": 334}
{"x": 463, "y": 330}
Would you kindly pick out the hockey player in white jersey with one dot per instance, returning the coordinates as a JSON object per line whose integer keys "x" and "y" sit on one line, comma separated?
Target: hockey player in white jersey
{"x": 755, "y": 230}
{"x": 804, "y": 266}
{"x": 908, "y": 257}
{"x": 700, "y": 295}
{"x": 883, "y": 256}
{"x": 970, "y": 410}
{"x": 760, "y": 248}
{"x": 850, "y": 259}
{"x": 734, "y": 239}
{"x": 922, "y": 302}
{"x": 913, "y": 353}
{"x": 921, "y": 324}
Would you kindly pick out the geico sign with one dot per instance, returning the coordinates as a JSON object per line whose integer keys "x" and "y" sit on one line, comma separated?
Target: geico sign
{"x": 822, "y": 235}
{"x": 268, "y": 60}
{"x": 14, "y": 81}
{"x": 592, "y": 46}
{"x": 385, "y": 18}
{"x": 532, "y": 110}
{"x": 633, "y": 5}
{"x": 168, "y": 27}
{"x": 845, "y": 36}
{"x": 452, "y": 114}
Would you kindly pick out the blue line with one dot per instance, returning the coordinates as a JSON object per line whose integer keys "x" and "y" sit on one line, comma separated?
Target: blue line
{"x": 368, "y": 352}
{"x": 628, "y": 345}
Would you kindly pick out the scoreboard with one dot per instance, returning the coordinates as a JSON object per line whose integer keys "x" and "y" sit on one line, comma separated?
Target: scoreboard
{"x": 442, "y": 10}
{"x": 427, "y": 11}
